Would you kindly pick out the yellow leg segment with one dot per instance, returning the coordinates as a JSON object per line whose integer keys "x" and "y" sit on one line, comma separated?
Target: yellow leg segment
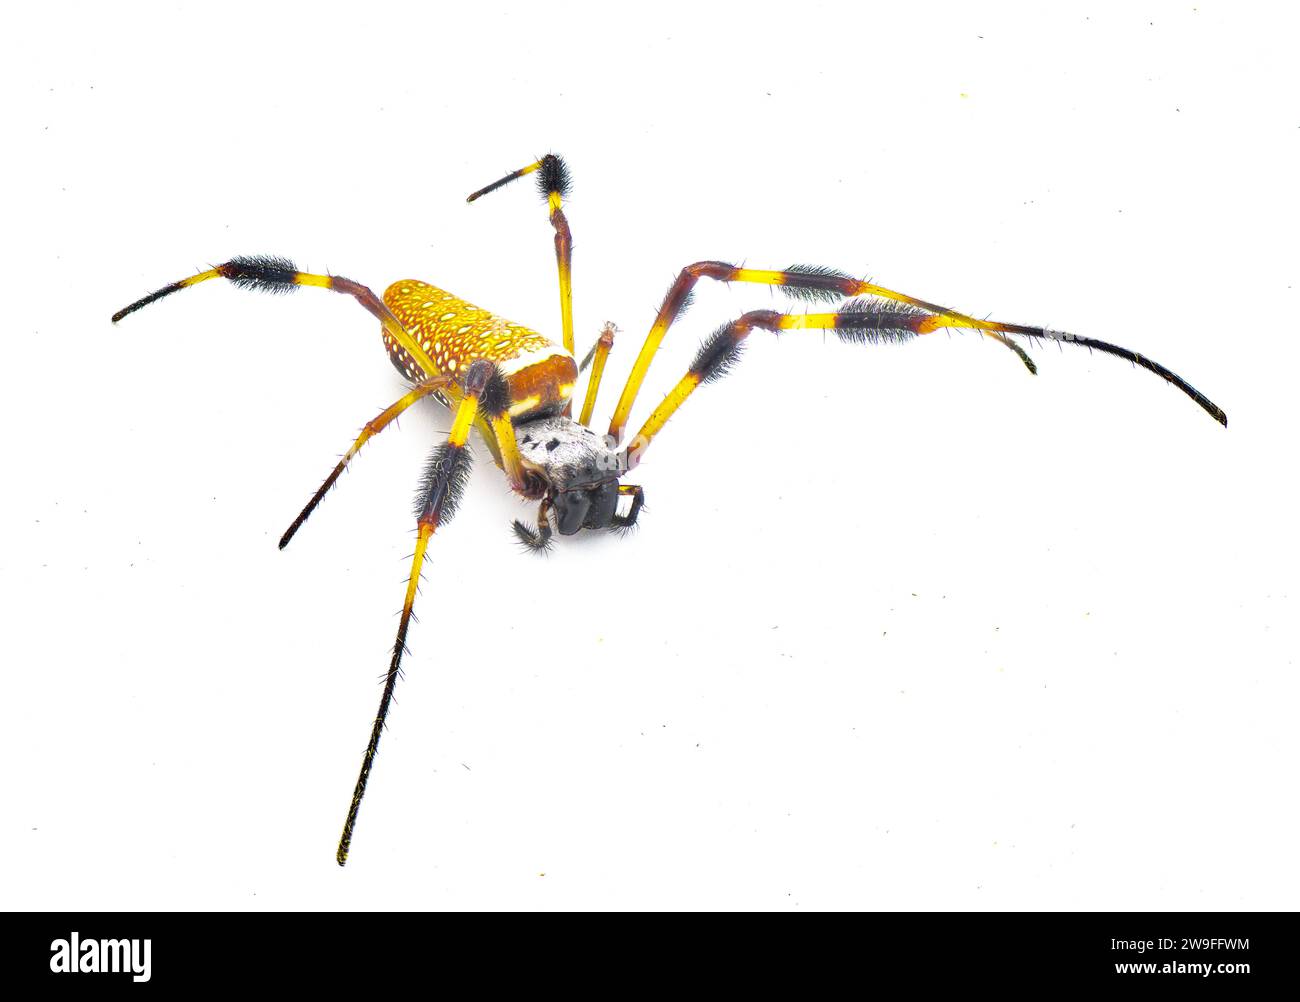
{"x": 371, "y": 429}
{"x": 601, "y": 354}
{"x": 813, "y": 283}
{"x": 443, "y": 485}
{"x": 274, "y": 274}
{"x": 555, "y": 184}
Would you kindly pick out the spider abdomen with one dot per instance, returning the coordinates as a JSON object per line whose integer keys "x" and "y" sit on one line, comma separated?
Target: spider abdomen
{"x": 455, "y": 334}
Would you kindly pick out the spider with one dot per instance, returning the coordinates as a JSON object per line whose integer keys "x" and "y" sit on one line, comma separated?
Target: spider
{"x": 516, "y": 386}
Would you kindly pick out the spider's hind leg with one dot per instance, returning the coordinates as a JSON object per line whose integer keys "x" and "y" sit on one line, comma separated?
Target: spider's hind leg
{"x": 491, "y": 417}
{"x": 390, "y": 414}
{"x": 268, "y": 273}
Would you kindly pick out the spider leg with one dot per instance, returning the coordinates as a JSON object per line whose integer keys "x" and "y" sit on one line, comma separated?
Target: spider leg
{"x": 555, "y": 184}
{"x": 444, "y": 483}
{"x": 371, "y": 429}
{"x": 638, "y": 502}
{"x": 538, "y": 540}
{"x": 276, "y": 274}
{"x": 497, "y": 429}
{"x": 814, "y": 284}
{"x": 600, "y": 352}
{"x": 858, "y": 322}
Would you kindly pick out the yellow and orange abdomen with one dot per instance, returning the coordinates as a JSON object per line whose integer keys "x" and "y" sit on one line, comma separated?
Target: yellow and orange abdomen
{"x": 455, "y": 334}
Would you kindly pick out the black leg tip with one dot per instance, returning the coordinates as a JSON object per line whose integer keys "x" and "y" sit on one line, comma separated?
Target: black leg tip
{"x": 531, "y": 539}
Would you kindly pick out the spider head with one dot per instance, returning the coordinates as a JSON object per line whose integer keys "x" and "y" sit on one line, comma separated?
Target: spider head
{"x": 575, "y": 470}
{"x": 585, "y": 507}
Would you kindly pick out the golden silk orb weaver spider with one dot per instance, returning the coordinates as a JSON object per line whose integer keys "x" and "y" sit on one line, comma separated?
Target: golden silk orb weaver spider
{"x": 516, "y": 386}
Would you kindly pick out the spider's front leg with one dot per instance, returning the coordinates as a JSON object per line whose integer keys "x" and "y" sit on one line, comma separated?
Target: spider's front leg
{"x": 444, "y": 483}
{"x": 858, "y": 322}
{"x": 816, "y": 284}
{"x": 809, "y": 283}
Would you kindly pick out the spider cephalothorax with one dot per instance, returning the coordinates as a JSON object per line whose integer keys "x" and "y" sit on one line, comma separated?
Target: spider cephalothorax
{"x": 576, "y": 472}
{"x": 517, "y": 387}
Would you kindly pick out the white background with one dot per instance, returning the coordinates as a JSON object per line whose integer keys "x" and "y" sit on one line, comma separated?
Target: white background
{"x": 903, "y": 627}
